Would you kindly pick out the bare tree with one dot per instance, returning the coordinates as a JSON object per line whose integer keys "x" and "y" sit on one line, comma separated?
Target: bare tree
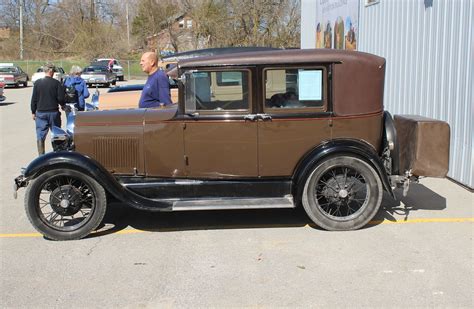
{"x": 86, "y": 29}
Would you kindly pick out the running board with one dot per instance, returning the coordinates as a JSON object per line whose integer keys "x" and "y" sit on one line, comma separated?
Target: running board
{"x": 233, "y": 203}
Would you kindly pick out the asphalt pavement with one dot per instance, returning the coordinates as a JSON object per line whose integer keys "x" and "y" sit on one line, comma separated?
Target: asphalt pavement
{"x": 417, "y": 252}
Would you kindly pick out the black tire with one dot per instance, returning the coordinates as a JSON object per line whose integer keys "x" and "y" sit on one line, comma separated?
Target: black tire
{"x": 25, "y": 84}
{"x": 121, "y": 78}
{"x": 106, "y": 85}
{"x": 342, "y": 193}
{"x": 65, "y": 193}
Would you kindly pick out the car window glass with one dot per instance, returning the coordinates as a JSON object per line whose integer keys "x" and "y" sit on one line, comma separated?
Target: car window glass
{"x": 96, "y": 69}
{"x": 294, "y": 88}
{"x": 217, "y": 91}
{"x": 7, "y": 70}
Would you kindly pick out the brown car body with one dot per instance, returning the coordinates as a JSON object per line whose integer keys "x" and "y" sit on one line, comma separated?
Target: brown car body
{"x": 271, "y": 129}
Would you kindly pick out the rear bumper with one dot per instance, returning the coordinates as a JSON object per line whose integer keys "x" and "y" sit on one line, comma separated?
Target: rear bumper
{"x": 10, "y": 82}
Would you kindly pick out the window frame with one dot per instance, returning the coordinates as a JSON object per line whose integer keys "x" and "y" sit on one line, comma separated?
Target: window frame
{"x": 224, "y": 112}
{"x": 302, "y": 110}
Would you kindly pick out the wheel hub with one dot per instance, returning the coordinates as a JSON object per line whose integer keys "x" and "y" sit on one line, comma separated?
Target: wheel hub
{"x": 335, "y": 192}
{"x": 343, "y": 193}
{"x": 64, "y": 203}
{"x": 66, "y": 200}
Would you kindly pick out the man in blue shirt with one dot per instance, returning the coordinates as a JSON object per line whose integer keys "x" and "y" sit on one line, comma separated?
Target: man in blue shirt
{"x": 156, "y": 91}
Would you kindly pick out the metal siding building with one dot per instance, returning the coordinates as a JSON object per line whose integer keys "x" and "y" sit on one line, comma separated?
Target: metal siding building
{"x": 429, "y": 48}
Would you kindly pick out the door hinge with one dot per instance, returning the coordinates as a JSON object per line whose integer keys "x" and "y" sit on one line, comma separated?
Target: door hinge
{"x": 186, "y": 160}
{"x": 183, "y": 125}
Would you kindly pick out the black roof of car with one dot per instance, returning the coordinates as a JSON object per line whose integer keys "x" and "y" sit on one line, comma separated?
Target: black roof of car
{"x": 126, "y": 88}
{"x": 215, "y": 51}
{"x": 97, "y": 67}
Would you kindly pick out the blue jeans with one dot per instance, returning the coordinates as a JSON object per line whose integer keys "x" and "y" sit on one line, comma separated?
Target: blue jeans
{"x": 45, "y": 121}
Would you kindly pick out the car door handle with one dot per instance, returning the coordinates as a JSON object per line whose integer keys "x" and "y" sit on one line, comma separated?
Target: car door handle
{"x": 264, "y": 117}
{"x": 251, "y": 117}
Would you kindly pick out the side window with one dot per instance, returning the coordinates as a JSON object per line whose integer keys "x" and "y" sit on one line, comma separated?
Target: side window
{"x": 217, "y": 91}
{"x": 229, "y": 78}
{"x": 294, "y": 88}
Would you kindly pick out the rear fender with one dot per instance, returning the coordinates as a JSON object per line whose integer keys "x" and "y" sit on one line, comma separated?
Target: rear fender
{"x": 390, "y": 142}
{"x": 356, "y": 148}
{"x": 92, "y": 168}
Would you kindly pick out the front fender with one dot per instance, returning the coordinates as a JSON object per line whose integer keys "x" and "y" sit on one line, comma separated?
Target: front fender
{"x": 92, "y": 168}
{"x": 337, "y": 147}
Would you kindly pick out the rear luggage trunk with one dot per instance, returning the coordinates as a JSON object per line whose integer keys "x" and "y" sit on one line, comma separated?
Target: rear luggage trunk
{"x": 423, "y": 145}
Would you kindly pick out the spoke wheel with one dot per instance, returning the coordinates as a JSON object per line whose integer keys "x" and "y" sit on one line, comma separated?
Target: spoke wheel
{"x": 65, "y": 204}
{"x": 342, "y": 193}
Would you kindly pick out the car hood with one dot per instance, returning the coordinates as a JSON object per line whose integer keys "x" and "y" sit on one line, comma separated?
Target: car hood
{"x": 37, "y": 75}
{"x": 138, "y": 116}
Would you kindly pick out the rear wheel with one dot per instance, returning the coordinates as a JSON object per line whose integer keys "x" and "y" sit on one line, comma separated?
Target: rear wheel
{"x": 342, "y": 193}
{"x": 25, "y": 84}
{"x": 65, "y": 204}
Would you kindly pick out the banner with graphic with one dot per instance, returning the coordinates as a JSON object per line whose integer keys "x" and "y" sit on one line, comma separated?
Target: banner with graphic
{"x": 337, "y": 23}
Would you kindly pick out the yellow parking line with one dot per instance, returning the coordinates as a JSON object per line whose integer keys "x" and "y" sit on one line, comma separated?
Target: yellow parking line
{"x": 423, "y": 220}
{"x": 20, "y": 235}
{"x": 375, "y": 222}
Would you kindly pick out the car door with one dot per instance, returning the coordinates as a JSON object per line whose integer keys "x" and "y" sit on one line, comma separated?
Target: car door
{"x": 220, "y": 131}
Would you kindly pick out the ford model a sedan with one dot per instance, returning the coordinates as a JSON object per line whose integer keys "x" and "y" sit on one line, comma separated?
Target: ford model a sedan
{"x": 272, "y": 129}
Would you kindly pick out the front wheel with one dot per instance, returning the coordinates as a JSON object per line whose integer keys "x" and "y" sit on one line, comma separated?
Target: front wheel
{"x": 65, "y": 204}
{"x": 342, "y": 193}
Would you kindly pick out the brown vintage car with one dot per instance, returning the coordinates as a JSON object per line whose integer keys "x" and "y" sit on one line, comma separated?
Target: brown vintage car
{"x": 270, "y": 129}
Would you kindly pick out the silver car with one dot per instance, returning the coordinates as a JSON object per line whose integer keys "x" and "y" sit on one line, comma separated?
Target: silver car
{"x": 13, "y": 75}
{"x": 98, "y": 75}
{"x": 60, "y": 75}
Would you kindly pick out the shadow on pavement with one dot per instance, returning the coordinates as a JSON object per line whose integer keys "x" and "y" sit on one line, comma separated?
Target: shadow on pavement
{"x": 6, "y": 103}
{"x": 419, "y": 197}
{"x": 120, "y": 216}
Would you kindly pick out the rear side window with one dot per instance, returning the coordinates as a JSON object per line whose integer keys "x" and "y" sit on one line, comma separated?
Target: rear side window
{"x": 301, "y": 88}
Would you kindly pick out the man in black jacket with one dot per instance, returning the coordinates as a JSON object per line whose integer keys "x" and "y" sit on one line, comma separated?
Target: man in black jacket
{"x": 48, "y": 94}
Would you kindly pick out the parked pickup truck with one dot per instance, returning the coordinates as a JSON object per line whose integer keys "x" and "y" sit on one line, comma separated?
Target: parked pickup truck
{"x": 267, "y": 129}
{"x": 98, "y": 75}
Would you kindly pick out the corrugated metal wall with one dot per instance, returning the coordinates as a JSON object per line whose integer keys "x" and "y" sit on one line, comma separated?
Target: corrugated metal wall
{"x": 429, "y": 48}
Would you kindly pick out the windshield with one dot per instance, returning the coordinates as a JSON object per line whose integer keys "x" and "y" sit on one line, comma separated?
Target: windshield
{"x": 96, "y": 69}
{"x": 7, "y": 70}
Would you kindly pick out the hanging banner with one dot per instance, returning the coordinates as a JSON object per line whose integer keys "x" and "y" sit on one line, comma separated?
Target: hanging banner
{"x": 337, "y": 23}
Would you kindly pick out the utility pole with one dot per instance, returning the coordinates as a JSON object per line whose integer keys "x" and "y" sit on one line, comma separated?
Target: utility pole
{"x": 92, "y": 12}
{"x": 21, "y": 29}
{"x": 128, "y": 27}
